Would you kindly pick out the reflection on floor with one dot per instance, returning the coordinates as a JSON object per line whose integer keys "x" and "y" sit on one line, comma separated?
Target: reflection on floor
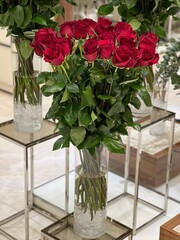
{"x": 50, "y": 165}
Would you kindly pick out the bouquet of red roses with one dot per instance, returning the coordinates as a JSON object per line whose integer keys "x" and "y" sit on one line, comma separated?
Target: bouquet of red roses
{"x": 98, "y": 71}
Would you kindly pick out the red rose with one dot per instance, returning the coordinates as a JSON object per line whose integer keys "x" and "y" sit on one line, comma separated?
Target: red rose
{"x": 147, "y": 40}
{"x": 42, "y": 40}
{"x": 149, "y": 57}
{"x": 67, "y": 29}
{"x": 54, "y": 55}
{"x": 57, "y": 52}
{"x": 106, "y": 47}
{"x": 90, "y": 49}
{"x": 103, "y": 24}
{"x": 127, "y": 39}
{"x": 107, "y": 35}
{"x": 84, "y": 27}
{"x": 121, "y": 27}
{"x": 125, "y": 57}
{"x": 65, "y": 44}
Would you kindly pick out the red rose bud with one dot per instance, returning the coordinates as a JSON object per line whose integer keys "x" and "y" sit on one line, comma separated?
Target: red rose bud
{"x": 90, "y": 49}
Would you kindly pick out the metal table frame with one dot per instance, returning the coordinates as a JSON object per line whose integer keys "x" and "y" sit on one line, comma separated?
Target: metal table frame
{"x": 159, "y": 115}
{"x": 27, "y": 141}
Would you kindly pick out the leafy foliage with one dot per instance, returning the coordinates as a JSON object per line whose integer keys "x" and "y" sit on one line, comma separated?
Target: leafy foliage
{"x": 26, "y": 15}
{"x": 94, "y": 106}
{"x": 169, "y": 66}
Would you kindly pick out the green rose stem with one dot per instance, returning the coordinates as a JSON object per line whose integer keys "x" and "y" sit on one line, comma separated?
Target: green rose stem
{"x": 25, "y": 78}
{"x": 65, "y": 72}
{"x": 90, "y": 185}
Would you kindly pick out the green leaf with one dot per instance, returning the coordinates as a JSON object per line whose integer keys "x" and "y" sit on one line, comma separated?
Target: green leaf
{"x": 103, "y": 130}
{"x": 73, "y": 88}
{"x": 58, "y": 143}
{"x": 104, "y": 97}
{"x": 130, "y": 3}
{"x": 135, "y": 24}
{"x": 105, "y": 10}
{"x": 39, "y": 19}
{"x": 116, "y": 108}
{"x": 127, "y": 115}
{"x": 97, "y": 74}
{"x": 77, "y": 135}
{"x": 24, "y": 2}
{"x": 57, "y": 87}
{"x": 160, "y": 31}
{"x": 84, "y": 117}
{"x": 71, "y": 113}
{"x": 87, "y": 98}
{"x": 144, "y": 95}
{"x": 93, "y": 116}
{"x": 25, "y": 49}
{"x": 43, "y": 90}
{"x": 42, "y": 77}
{"x": 65, "y": 96}
{"x": 136, "y": 102}
{"x": 18, "y": 15}
{"x": 124, "y": 12}
{"x": 172, "y": 11}
{"x": 113, "y": 145}
{"x": 92, "y": 141}
{"x": 61, "y": 143}
{"x": 27, "y": 16}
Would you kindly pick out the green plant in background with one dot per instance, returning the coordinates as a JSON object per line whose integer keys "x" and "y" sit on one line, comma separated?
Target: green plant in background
{"x": 22, "y": 18}
{"x": 170, "y": 65}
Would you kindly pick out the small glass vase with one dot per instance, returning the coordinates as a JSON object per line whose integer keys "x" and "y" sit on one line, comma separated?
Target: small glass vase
{"x": 27, "y": 97}
{"x": 160, "y": 100}
{"x": 91, "y": 193}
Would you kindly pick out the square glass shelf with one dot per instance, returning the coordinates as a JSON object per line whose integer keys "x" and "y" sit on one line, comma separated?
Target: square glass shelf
{"x": 7, "y": 129}
{"x": 156, "y": 115}
{"x": 63, "y": 230}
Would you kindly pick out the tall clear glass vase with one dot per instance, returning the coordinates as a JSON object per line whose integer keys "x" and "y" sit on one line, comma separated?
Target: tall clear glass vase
{"x": 27, "y": 96}
{"x": 91, "y": 193}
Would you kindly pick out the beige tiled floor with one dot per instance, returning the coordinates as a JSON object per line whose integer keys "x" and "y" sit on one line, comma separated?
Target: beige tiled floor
{"x": 11, "y": 185}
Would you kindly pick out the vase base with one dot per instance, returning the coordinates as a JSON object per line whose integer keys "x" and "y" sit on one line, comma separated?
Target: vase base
{"x": 87, "y": 228}
{"x": 27, "y": 118}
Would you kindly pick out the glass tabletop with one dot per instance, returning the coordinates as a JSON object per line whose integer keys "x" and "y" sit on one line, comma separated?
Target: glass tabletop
{"x": 63, "y": 229}
{"x": 156, "y": 115}
{"x": 47, "y": 131}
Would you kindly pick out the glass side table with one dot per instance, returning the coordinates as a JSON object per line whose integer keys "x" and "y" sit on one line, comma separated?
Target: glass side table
{"x": 156, "y": 117}
{"x": 27, "y": 141}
